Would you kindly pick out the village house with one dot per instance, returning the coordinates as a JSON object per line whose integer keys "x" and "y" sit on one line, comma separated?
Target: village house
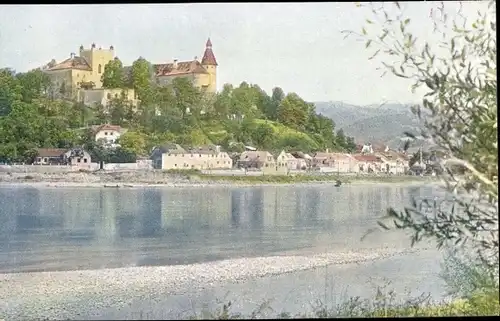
{"x": 286, "y": 160}
{"x": 304, "y": 161}
{"x": 394, "y": 163}
{"x": 108, "y": 134}
{"x": 344, "y": 163}
{"x": 173, "y": 156}
{"x": 257, "y": 160}
{"x": 323, "y": 159}
{"x": 62, "y": 156}
{"x": 368, "y": 163}
{"x": 158, "y": 152}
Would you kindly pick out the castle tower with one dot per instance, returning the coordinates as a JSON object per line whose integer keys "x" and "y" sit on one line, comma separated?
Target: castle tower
{"x": 97, "y": 58}
{"x": 210, "y": 64}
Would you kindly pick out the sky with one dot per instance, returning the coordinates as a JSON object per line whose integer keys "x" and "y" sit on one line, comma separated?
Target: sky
{"x": 296, "y": 46}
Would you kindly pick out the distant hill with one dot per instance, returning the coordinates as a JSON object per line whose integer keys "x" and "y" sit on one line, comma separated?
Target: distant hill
{"x": 371, "y": 124}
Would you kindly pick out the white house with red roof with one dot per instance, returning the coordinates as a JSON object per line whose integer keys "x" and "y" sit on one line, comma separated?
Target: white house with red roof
{"x": 108, "y": 134}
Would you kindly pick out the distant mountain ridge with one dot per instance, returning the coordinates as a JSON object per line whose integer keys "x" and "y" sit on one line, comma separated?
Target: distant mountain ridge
{"x": 384, "y": 124}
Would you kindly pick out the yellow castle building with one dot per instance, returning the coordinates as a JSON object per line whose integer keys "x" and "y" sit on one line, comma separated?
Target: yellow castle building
{"x": 80, "y": 76}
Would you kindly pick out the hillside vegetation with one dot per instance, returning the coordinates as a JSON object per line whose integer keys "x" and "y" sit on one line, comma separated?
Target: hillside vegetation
{"x": 31, "y": 117}
{"x": 375, "y": 124}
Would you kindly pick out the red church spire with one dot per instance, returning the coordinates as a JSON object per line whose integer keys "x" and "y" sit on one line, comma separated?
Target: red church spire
{"x": 208, "y": 56}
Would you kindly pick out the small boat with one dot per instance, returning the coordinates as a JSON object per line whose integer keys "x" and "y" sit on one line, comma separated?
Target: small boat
{"x": 338, "y": 183}
{"x": 112, "y": 186}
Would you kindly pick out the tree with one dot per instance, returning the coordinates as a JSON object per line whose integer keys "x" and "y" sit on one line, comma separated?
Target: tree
{"x": 141, "y": 80}
{"x": 35, "y": 84}
{"x": 133, "y": 142}
{"x": 222, "y": 104}
{"x": 10, "y": 90}
{"x": 277, "y": 96}
{"x": 113, "y": 76}
{"x": 187, "y": 97}
{"x": 459, "y": 112}
{"x": 293, "y": 111}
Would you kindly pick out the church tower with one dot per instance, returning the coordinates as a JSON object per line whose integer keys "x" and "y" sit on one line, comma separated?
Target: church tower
{"x": 210, "y": 64}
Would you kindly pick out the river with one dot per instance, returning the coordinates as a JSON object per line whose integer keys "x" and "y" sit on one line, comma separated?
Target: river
{"x": 67, "y": 229}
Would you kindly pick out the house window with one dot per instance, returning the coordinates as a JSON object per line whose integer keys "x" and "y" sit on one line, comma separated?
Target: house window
{"x": 175, "y": 165}
{"x": 217, "y": 162}
{"x": 78, "y": 160}
{"x": 99, "y": 69}
{"x": 199, "y": 154}
{"x": 84, "y": 160}
{"x": 39, "y": 159}
{"x": 45, "y": 160}
{"x": 106, "y": 133}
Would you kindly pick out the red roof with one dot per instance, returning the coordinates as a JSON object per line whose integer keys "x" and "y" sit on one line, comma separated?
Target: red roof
{"x": 50, "y": 152}
{"x": 208, "y": 56}
{"x": 107, "y": 127}
{"x": 185, "y": 67}
{"x": 74, "y": 62}
{"x": 367, "y": 158}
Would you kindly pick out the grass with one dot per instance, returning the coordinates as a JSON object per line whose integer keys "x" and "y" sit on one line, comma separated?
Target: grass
{"x": 383, "y": 305}
{"x": 304, "y": 178}
{"x": 474, "y": 289}
{"x": 195, "y": 174}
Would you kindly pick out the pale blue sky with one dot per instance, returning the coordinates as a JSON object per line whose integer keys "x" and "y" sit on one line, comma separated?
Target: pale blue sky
{"x": 297, "y": 46}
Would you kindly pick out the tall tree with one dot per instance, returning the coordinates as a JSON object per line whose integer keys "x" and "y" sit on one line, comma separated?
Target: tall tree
{"x": 113, "y": 76}
{"x": 141, "y": 80}
{"x": 35, "y": 84}
{"x": 277, "y": 96}
{"x": 293, "y": 111}
{"x": 10, "y": 90}
{"x": 459, "y": 110}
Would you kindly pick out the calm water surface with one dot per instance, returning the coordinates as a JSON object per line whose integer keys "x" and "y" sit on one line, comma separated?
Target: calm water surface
{"x": 81, "y": 228}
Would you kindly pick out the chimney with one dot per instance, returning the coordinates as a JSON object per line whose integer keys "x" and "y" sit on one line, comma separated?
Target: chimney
{"x": 81, "y": 48}
{"x": 111, "y": 47}
{"x": 175, "y": 64}
{"x": 93, "y": 46}
{"x": 72, "y": 55}
{"x": 196, "y": 58}
{"x": 217, "y": 149}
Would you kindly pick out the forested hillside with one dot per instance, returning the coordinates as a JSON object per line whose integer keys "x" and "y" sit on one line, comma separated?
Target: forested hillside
{"x": 384, "y": 124}
{"x": 30, "y": 117}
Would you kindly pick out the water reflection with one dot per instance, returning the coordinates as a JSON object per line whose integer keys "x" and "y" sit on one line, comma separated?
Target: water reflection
{"x": 88, "y": 228}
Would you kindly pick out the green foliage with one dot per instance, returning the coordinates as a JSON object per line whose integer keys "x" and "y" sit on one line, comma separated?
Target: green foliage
{"x": 293, "y": 112}
{"x": 134, "y": 142}
{"x": 383, "y": 305}
{"x": 113, "y": 76}
{"x": 459, "y": 113}
{"x": 465, "y": 277}
{"x": 141, "y": 79}
{"x": 177, "y": 112}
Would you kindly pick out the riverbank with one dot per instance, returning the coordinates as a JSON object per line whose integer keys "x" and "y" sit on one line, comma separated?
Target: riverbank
{"x": 87, "y": 293}
{"x": 141, "y": 179}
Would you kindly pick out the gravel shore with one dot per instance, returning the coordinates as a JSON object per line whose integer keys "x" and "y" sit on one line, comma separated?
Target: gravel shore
{"x": 83, "y": 294}
{"x": 128, "y": 179}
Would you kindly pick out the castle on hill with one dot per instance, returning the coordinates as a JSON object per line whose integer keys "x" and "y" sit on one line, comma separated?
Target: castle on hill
{"x": 80, "y": 76}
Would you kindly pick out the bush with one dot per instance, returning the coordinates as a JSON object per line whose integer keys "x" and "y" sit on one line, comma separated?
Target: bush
{"x": 183, "y": 172}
